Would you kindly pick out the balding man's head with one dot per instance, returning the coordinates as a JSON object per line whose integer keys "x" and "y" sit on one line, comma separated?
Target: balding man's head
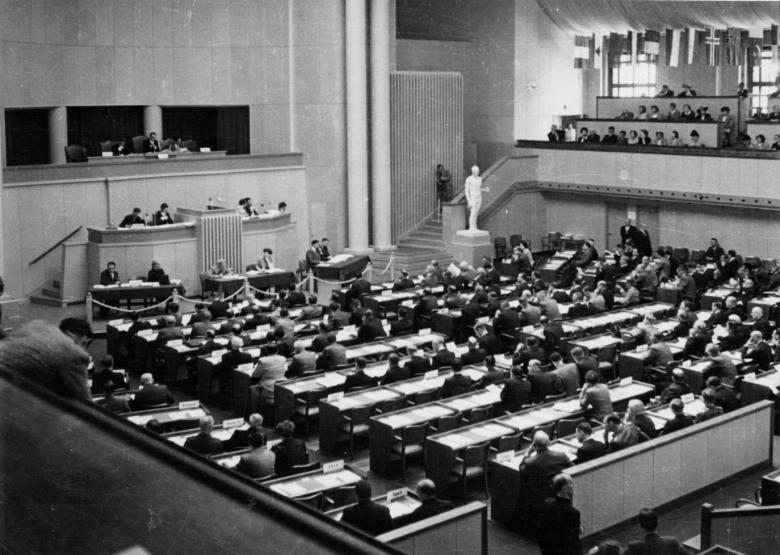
{"x": 207, "y": 424}
{"x": 426, "y": 489}
{"x": 147, "y": 379}
{"x": 541, "y": 440}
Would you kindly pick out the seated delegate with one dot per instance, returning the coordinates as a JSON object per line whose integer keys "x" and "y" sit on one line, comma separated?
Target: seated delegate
{"x": 133, "y": 219}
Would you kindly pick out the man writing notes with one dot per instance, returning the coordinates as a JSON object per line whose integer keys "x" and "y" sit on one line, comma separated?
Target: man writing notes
{"x": 151, "y": 144}
{"x": 133, "y": 219}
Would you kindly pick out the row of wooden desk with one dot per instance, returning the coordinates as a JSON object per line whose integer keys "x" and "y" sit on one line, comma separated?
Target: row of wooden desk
{"x": 266, "y": 280}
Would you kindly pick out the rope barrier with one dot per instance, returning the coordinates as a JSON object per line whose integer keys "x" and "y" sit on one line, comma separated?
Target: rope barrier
{"x": 387, "y": 268}
{"x": 334, "y": 282}
{"x": 131, "y": 310}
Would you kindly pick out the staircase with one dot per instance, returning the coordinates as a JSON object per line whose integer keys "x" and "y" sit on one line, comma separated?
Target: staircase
{"x": 415, "y": 250}
{"x": 51, "y": 295}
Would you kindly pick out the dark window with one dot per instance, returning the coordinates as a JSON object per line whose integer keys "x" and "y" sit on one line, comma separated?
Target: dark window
{"x": 27, "y": 136}
{"x": 88, "y": 126}
{"x": 219, "y": 127}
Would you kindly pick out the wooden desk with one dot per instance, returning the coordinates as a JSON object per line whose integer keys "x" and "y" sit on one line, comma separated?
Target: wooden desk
{"x": 657, "y": 309}
{"x": 766, "y": 302}
{"x": 166, "y": 415}
{"x": 594, "y": 343}
{"x": 717, "y": 294}
{"x": 227, "y": 285}
{"x": 694, "y": 370}
{"x": 128, "y": 293}
{"x": 313, "y": 482}
{"x": 440, "y": 449}
{"x": 399, "y": 506}
{"x": 343, "y": 270}
{"x": 151, "y": 157}
{"x": 762, "y": 387}
{"x": 550, "y": 270}
{"x": 668, "y": 294}
{"x": 220, "y": 433}
{"x": 632, "y": 363}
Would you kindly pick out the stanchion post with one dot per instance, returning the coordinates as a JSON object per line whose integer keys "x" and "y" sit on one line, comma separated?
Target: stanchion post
{"x": 176, "y": 297}
{"x": 246, "y": 288}
{"x": 310, "y": 275}
{"x": 370, "y": 272}
{"x": 88, "y": 302}
{"x": 392, "y": 267}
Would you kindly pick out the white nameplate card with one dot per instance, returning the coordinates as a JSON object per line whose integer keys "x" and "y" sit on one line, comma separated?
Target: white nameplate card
{"x": 218, "y": 353}
{"x": 750, "y": 376}
{"x": 394, "y": 494}
{"x": 134, "y": 282}
{"x": 386, "y": 293}
{"x": 175, "y": 342}
{"x": 333, "y": 466}
{"x": 483, "y": 320}
{"x": 187, "y": 405}
{"x": 450, "y": 345}
{"x": 528, "y": 329}
{"x": 246, "y": 368}
{"x": 348, "y": 329}
{"x": 205, "y": 149}
{"x": 687, "y": 398}
{"x": 335, "y": 397}
{"x": 424, "y": 331}
{"x": 505, "y": 456}
{"x": 431, "y": 375}
{"x": 264, "y": 327}
{"x": 232, "y": 423}
{"x": 408, "y": 303}
{"x": 626, "y": 381}
{"x": 273, "y": 443}
{"x": 144, "y": 333}
{"x": 493, "y": 387}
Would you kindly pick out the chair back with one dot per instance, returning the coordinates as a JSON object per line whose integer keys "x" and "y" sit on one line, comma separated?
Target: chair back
{"x": 313, "y": 396}
{"x": 500, "y": 245}
{"x": 315, "y": 501}
{"x": 339, "y": 497}
{"x": 607, "y": 354}
{"x": 567, "y": 426}
{"x": 390, "y": 405}
{"x": 75, "y": 153}
{"x": 360, "y": 415}
{"x": 508, "y": 443}
{"x": 481, "y": 414}
{"x": 422, "y": 397}
{"x": 166, "y": 144}
{"x": 414, "y": 435}
{"x": 449, "y": 422}
{"x": 106, "y": 146}
{"x": 138, "y": 143}
{"x": 549, "y": 429}
{"x": 190, "y": 145}
{"x": 476, "y": 455}
{"x": 515, "y": 239}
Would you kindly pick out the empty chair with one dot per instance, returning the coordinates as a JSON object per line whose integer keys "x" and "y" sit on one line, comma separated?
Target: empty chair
{"x": 681, "y": 255}
{"x": 606, "y": 360}
{"x": 697, "y": 255}
{"x": 515, "y": 240}
{"x": 499, "y": 243}
{"x": 508, "y": 443}
{"x": 166, "y": 144}
{"x": 422, "y": 397}
{"x": 472, "y": 464}
{"x": 190, "y": 145}
{"x": 480, "y": 414}
{"x": 138, "y": 143}
{"x": 315, "y": 501}
{"x": 447, "y": 423}
{"x": 306, "y": 406}
{"x": 75, "y": 153}
{"x": 567, "y": 426}
{"x": 355, "y": 424}
{"x": 390, "y": 405}
{"x": 409, "y": 444}
{"x": 106, "y": 146}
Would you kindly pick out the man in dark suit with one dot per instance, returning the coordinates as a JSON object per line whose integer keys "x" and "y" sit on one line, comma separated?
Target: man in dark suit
{"x": 589, "y": 448}
{"x": 333, "y": 356}
{"x": 403, "y": 282}
{"x": 395, "y": 373}
{"x": 371, "y": 328}
{"x": 540, "y": 460}
{"x": 488, "y": 340}
{"x": 757, "y": 351}
{"x": 416, "y": 364}
{"x": 324, "y": 249}
{"x": 680, "y": 419}
{"x": 109, "y": 276}
{"x": 151, "y": 144}
{"x": 475, "y": 354}
{"x": 404, "y": 325}
{"x": 430, "y": 504}
{"x": 151, "y": 394}
{"x": 372, "y": 518}
{"x": 259, "y": 462}
{"x": 303, "y": 362}
{"x": 443, "y": 357}
{"x": 209, "y": 344}
{"x": 517, "y": 391}
{"x": 313, "y": 257}
{"x": 653, "y": 544}
{"x": 137, "y": 324}
{"x": 559, "y": 530}
{"x": 358, "y": 288}
{"x": 555, "y": 135}
{"x": 170, "y": 332}
{"x": 359, "y": 378}
{"x": 543, "y": 383}
{"x": 240, "y": 439}
{"x": 203, "y": 442}
{"x": 107, "y": 374}
{"x": 456, "y": 384}
{"x": 507, "y": 320}
{"x": 714, "y": 251}
{"x": 584, "y": 363}
{"x": 725, "y": 397}
{"x": 133, "y": 219}
{"x": 578, "y": 308}
{"x": 627, "y": 231}
{"x": 218, "y": 309}
{"x": 235, "y": 355}
{"x": 290, "y": 451}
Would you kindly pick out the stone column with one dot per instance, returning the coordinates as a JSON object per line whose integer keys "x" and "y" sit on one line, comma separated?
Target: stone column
{"x": 58, "y": 134}
{"x": 357, "y": 127}
{"x": 380, "y": 124}
{"x": 153, "y": 121}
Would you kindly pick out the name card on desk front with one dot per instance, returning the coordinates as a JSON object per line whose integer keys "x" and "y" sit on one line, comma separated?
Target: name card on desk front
{"x": 627, "y": 381}
{"x": 144, "y": 333}
{"x": 273, "y": 443}
{"x": 505, "y": 456}
{"x": 750, "y": 376}
{"x": 334, "y": 397}
{"x": 232, "y": 423}
{"x": 424, "y": 331}
{"x": 333, "y": 466}
{"x": 431, "y": 375}
{"x": 451, "y": 347}
{"x": 247, "y": 368}
{"x": 175, "y": 342}
{"x": 687, "y": 398}
{"x": 396, "y": 494}
{"x": 386, "y": 293}
{"x": 187, "y": 405}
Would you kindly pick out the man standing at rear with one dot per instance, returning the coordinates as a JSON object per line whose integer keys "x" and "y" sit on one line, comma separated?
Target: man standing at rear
{"x": 443, "y": 179}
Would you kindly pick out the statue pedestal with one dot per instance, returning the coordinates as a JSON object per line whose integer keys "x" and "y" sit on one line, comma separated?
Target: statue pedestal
{"x": 471, "y": 246}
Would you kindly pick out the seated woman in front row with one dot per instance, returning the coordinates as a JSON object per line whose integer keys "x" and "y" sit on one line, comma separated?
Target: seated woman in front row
{"x": 220, "y": 268}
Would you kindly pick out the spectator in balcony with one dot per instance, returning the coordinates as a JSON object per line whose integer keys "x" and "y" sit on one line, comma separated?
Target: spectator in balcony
{"x": 687, "y": 113}
{"x": 644, "y": 137}
{"x": 687, "y": 91}
{"x": 633, "y": 138}
{"x": 660, "y": 140}
{"x": 674, "y": 113}
{"x": 622, "y": 139}
{"x": 727, "y": 125}
{"x": 665, "y": 91}
{"x": 675, "y": 140}
{"x": 610, "y": 137}
{"x": 570, "y": 134}
{"x": 555, "y": 135}
{"x": 695, "y": 141}
{"x": 583, "y": 136}
{"x": 760, "y": 143}
{"x": 776, "y": 142}
{"x": 703, "y": 114}
{"x": 654, "y": 113}
{"x": 641, "y": 112}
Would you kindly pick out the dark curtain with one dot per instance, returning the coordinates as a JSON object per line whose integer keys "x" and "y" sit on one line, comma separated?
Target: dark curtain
{"x": 27, "y": 137}
{"x": 233, "y": 129}
{"x": 88, "y": 126}
{"x": 219, "y": 128}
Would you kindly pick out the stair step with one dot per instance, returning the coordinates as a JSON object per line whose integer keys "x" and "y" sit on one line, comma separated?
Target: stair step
{"x": 53, "y": 293}
{"x": 47, "y": 301}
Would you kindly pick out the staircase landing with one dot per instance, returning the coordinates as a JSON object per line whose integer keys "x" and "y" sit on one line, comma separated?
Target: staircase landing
{"x": 415, "y": 251}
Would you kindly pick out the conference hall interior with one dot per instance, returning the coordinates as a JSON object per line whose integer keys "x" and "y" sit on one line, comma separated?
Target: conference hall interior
{"x": 389, "y": 276}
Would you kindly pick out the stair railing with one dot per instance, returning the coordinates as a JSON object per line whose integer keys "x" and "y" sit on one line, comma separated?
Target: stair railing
{"x": 57, "y": 244}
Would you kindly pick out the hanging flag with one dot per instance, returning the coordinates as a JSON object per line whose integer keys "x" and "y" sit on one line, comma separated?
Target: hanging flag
{"x": 713, "y": 47}
{"x": 581, "y": 51}
{"x": 597, "y": 42}
{"x": 770, "y": 36}
{"x": 652, "y": 42}
{"x": 673, "y": 37}
{"x": 752, "y": 47}
{"x": 691, "y": 45}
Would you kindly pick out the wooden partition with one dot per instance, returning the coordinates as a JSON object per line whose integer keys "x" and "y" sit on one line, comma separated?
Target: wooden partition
{"x": 748, "y": 530}
{"x": 461, "y": 531}
{"x": 614, "y": 488}
{"x": 766, "y": 128}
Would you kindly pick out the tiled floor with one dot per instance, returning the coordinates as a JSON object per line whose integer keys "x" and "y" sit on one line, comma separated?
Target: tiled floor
{"x": 681, "y": 520}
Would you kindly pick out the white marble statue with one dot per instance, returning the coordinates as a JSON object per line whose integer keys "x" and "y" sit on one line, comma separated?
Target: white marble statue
{"x": 473, "y": 188}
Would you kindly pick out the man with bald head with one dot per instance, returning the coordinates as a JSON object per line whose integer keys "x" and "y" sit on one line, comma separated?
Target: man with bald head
{"x": 203, "y": 442}
{"x": 430, "y": 504}
{"x": 540, "y": 460}
{"x": 559, "y": 532}
{"x": 151, "y": 394}
{"x": 757, "y": 351}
